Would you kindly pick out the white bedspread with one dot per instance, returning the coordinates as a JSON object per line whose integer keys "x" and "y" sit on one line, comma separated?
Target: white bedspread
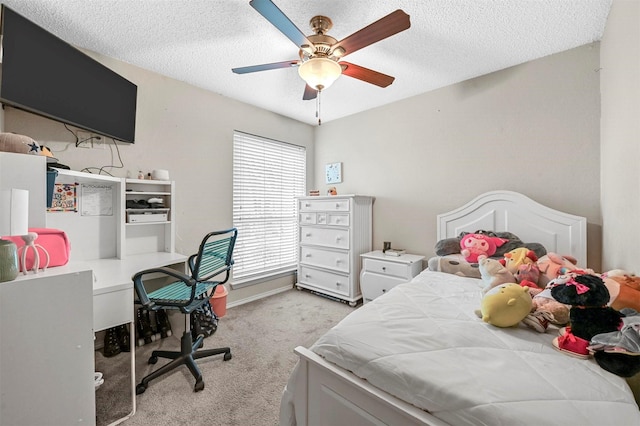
{"x": 423, "y": 343}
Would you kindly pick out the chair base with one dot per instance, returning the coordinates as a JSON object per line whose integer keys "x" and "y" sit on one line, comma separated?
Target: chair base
{"x": 188, "y": 354}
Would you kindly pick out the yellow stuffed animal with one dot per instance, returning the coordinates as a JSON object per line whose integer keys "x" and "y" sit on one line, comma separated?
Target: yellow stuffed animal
{"x": 517, "y": 257}
{"x": 506, "y": 305}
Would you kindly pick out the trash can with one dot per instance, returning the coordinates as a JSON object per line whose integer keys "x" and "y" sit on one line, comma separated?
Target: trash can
{"x": 219, "y": 301}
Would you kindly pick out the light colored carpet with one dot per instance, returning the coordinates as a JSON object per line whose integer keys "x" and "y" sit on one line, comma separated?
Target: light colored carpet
{"x": 245, "y": 390}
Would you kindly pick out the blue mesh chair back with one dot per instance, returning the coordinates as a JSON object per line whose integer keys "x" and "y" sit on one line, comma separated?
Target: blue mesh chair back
{"x": 214, "y": 259}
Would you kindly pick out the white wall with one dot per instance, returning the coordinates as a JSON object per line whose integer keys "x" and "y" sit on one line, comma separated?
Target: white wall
{"x": 532, "y": 128}
{"x": 620, "y": 85}
{"x": 186, "y": 130}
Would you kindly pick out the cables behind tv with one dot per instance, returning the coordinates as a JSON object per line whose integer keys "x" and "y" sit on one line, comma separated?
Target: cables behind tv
{"x": 79, "y": 141}
{"x": 100, "y": 170}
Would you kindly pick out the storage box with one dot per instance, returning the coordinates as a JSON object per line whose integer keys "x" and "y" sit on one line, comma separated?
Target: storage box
{"x": 54, "y": 241}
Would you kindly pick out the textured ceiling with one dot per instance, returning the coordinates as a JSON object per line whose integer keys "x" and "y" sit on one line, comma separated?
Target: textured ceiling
{"x": 199, "y": 41}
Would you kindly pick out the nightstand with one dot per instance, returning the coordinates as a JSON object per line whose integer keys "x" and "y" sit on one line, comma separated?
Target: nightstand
{"x": 380, "y": 273}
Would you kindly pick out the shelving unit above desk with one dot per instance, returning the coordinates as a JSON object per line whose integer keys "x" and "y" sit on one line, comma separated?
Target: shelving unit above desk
{"x": 101, "y": 227}
{"x": 149, "y": 229}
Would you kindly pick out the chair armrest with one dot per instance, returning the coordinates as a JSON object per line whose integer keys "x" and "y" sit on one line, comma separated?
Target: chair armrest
{"x": 141, "y": 291}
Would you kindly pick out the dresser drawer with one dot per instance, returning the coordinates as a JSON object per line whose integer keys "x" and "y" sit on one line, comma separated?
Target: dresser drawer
{"x": 339, "y": 205}
{"x": 387, "y": 268}
{"x": 308, "y": 218}
{"x": 325, "y": 258}
{"x": 327, "y": 280}
{"x": 328, "y": 237}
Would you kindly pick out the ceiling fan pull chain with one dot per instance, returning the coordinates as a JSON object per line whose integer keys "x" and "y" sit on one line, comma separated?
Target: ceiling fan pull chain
{"x": 318, "y": 108}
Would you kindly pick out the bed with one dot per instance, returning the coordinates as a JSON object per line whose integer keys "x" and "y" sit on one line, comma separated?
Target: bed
{"x": 419, "y": 355}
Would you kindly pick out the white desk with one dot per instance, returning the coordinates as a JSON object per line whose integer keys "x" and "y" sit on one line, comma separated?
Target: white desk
{"x": 113, "y": 296}
{"x": 22, "y": 301}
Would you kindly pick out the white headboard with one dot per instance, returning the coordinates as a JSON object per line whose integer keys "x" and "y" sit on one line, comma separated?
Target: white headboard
{"x": 558, "y": 232}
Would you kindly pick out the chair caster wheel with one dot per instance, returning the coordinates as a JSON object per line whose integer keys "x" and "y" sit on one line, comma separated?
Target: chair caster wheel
{"x": 227, "y": 356}
{"x": 140, "y": 388}
{"x": 199, "y": 386}
{"x": 153, "y": 359}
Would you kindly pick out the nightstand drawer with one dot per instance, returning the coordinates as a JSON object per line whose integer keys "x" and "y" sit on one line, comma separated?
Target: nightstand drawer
{"x": 325, "y": 258}
{"x": 382, "y": 267}
{"x": 374, "y": 285}
{"x": 329, "y": 237}
{"x": 335, "y": 283}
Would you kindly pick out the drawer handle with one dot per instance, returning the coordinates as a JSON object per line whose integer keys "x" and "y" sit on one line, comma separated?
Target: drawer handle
{"x": 338, "y": 283}
{"x": 307, "y": 276}
{"x": 308, "y": 234}
{"x": 384, "y": 269}
{"x": 307, "y": 255}
{"x": 338, "y": 239}
{"x": 338, "y": 261}
{"x": 308, "y": 217}
{"x": 307, "y": 204}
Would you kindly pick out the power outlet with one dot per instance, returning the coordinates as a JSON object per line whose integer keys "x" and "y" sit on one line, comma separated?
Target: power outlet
{"x": 84, "y": 139}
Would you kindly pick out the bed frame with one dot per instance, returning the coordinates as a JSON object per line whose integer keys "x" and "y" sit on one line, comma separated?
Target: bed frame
{"x": 329, "y": 395}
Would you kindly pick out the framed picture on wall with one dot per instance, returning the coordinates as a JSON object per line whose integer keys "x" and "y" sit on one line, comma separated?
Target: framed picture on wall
{"x": 333, "y": 173}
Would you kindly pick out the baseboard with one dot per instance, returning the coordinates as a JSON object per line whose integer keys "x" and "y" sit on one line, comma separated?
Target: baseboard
{"x": 258, "y": 296}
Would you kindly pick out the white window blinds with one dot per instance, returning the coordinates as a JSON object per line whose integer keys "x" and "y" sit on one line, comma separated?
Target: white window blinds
{"x": 267, "y": 176}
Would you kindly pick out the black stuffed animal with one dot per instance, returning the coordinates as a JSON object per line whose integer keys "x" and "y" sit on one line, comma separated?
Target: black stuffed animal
{"x": 589, "y": 315}
{"x": 588, "y": 296}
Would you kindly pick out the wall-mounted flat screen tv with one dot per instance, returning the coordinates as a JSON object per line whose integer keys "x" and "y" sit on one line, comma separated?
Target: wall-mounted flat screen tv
{"x": 47, "y": 76}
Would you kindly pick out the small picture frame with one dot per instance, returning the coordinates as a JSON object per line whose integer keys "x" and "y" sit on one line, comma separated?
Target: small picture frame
{"x": 333, "y": 173}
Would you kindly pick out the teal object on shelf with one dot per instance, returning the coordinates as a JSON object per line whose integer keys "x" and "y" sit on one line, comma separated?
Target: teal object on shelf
{"x": 51, "y": 180}
{"x": 8, "y": 261}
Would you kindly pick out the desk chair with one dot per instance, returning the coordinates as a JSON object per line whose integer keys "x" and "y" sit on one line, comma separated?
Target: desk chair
{"x": 188, "y": 293}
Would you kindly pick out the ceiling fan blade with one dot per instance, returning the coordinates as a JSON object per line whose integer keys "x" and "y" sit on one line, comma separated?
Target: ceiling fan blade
{"x": 274, "y": 15}
{"x": 366, "y": 75}
{"x": 385, "y": 27}
{"x": 309, "y": 93}
{"x": 264, "y": 67}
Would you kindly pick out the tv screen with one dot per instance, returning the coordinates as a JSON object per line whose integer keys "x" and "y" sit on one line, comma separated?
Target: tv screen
{"x": 45, "y": 75}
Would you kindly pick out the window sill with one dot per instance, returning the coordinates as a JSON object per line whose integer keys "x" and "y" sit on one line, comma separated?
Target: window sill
{"x": 249, "y": 281}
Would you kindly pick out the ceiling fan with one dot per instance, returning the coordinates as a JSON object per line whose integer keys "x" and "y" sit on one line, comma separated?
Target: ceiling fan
{"x": 320, "y": 54}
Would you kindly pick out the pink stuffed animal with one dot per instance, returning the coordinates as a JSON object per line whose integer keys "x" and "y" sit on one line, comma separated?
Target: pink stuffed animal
{"x": 552, "y": 265}
{"x": 474, "y": 245}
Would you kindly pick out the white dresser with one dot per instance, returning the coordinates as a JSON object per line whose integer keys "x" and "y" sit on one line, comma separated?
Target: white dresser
{"x": 333, "y": 232}
{"x": 380, "y": 272}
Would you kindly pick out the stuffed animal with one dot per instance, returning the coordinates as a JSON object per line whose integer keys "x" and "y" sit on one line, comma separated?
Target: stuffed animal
{"x": 589, "y": 314}
{"x": 545, "y": 309}
{"x": 474, "y": 245}
{"x": 493, "y": 273}
{"x": 618, "y": 352}
{"x": 454, "y": 264}
{"x": 517, "y": 257}
{"x": 505, "y": 305}
{"x": 624, "y": 291}
{"x": 528, "y": 272}
{"x": 448, "y": 246}
{"x": 552, "y": 265}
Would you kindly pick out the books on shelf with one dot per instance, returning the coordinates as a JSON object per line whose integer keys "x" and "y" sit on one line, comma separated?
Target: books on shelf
{"x": 394, "y": 252}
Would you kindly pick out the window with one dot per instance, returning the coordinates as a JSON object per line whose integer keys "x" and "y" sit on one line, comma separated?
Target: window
{"x": 267, "y": 176}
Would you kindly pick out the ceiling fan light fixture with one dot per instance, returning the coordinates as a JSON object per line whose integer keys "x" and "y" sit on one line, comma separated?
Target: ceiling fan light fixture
{"x": 319, "y": 73}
